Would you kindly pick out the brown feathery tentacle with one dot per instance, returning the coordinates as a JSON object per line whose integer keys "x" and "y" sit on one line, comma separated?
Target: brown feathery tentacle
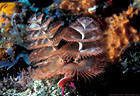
{"x": 46, "y": 23}
{"x": 89, "y": 74}
{"x": 76, "y": 37}
{"x": 36, "y": 19}
{"x": 40, "y": 44}
{"x": 40, "y": 54}
{"x": 33, "y": 27}
{"x": 81, "y": 75}
{"x": 37, "y": 35}
{"x": 85, "y": 75}
{"x": 53, "y": 29}
{"x": 70, "y": 51}
{"x": 39, "y": 18}
{"x": 49, "y": 69}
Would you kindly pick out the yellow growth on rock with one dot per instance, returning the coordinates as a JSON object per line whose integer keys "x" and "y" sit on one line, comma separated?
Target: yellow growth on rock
{"x": 3, "y": 51}
{"x": 120, "y": 33}
{"x": 7, "y": 10}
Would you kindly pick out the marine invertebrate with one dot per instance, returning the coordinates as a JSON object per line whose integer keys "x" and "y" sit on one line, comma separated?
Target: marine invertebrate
{"x": 77, "y": 6}
{"x": 73, "y": 58}
{"x": 120, "y": 33}
{"x": 86, "y": 7}
{"x": 80, "y": 49}
{"x": 4, "y": 51}
{"x": 12, "y": 24}
{"x": 6, "y": 11}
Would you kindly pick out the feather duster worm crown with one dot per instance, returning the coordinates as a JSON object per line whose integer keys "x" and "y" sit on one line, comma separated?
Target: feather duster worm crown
{"x": 77, "y": 56}
{"x": 80, "y": 49}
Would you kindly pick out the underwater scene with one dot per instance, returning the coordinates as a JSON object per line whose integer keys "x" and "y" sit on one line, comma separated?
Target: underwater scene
{"x": 69, "y": 47}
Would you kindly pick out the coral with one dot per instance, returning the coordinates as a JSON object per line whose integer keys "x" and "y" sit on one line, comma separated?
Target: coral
{"x": 120, "y": 33}
{"x": 36, "y": 88}
{"x": 5, "y": 51}
{"x": 12, "y": 27}
{"x": 78, "y": 6}
{"x": 6, "y": 12}
{"x": 2, "y": 53}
